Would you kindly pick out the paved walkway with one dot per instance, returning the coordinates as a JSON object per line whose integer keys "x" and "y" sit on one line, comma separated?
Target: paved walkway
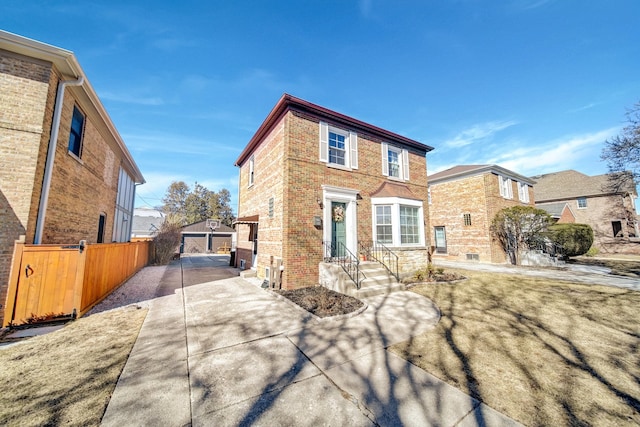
{"x": 228, "y": 353}
{"x": 572, "y": 272}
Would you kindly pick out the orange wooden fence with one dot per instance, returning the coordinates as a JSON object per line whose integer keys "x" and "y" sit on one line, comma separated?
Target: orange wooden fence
{"x": 53, "y": 280}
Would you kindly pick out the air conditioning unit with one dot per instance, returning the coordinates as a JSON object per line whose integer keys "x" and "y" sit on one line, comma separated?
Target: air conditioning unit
{"x": 242, "y": 263}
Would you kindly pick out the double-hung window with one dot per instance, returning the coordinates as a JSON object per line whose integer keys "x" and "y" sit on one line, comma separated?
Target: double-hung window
{"x": 523, "y": 192}
{"x": 398, "y": 222}
{"x": 395, "y": 162}
{"x": 582, "y": 202}
{"x": 338, "y": 147}
{"x": 506, "y": 189}
{"x": 76, "y": 132}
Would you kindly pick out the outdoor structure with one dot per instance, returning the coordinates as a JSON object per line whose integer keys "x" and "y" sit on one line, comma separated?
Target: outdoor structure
{"x": 609, "y": 208}
{"x": 463, "y": 200}
{"x": 207, "y": 236}
{"x": 316, "y": 185}
{"x": 65, "y": 172}
{"x": 146, "y": 222}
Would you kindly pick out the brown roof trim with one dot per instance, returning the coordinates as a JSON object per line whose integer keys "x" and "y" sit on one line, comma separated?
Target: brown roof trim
{"x": 391, "y": 189}
{"x": 288, "y": 102}
{"x": 252, "y": 219}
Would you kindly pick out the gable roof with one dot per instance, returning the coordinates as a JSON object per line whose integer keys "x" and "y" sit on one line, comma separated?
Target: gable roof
{"x": 463, "y": 171}
{"x": 201, "y": 227}
{"x": 67, "y": 64}
{"x": 571, "y": 184}
{"x": 288, "y": 103}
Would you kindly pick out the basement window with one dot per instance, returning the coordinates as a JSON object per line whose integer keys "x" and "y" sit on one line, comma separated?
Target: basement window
{"x": 467, "y": 219}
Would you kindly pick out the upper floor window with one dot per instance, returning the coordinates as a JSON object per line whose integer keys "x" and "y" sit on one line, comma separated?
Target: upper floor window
{"x": 582, "y": 202}
{"x": 338, "y": 147}
{"x": 506, "y": 189}
{"x": 395, "y": 162}
{"x": 252, "y": 162}
{"x": 523, "y": 192}
{"x": 77, "y": 130}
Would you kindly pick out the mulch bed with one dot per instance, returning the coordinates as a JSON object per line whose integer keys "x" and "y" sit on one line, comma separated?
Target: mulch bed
{"x": 322, "y": 302}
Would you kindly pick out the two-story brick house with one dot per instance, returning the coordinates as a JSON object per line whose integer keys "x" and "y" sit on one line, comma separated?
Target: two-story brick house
{"x": 65, "y": 172}
{"x": 463, "y": 200}
{"x": 312, "y": 178}
{"x": 605, "y": 205}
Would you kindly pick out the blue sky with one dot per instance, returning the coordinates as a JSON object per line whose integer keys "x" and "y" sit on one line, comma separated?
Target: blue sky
{"x": 535, "y": 86}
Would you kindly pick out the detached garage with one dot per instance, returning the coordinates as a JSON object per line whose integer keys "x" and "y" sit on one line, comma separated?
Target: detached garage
{"x": 207, "y": 236}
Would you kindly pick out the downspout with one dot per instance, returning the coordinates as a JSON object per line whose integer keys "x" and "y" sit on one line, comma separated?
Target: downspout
{"x": 51, "y": 154}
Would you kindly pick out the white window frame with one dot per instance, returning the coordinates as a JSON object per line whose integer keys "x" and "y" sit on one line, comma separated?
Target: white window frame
{"x": 350, "y": 146}
{"x": 506, "y": 187}
{"x": 585, "y": 202}
{"x": 252, "y": 162}
{"x": 395, "y": 203}
{"x": 523, "y": 192}
{"x": 403, "y": 162}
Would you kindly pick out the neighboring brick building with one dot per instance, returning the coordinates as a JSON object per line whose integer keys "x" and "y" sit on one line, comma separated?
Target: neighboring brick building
{"x": 594, "y": 200}
{"x": 311, "y": 175}
{"x": 82, "y": 190}
{"x": 463, "y": 201}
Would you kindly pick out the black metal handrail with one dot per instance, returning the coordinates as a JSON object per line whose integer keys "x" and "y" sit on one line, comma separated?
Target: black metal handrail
{"x": 339, "y": 254}
{"x": 382, "y": 254}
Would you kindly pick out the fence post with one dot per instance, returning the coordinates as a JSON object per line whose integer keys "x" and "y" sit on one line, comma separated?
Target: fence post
{"x": 14, "y": 279}
{"x": 79, "y": 279}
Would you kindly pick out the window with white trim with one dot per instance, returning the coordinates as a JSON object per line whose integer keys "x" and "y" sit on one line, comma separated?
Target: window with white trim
{"x": 252, "y": 162}
{"x": 506, "y": 189}
{"x": 523, "y": 192}
{"x": 582, "y": 202}
{"x": 398, "y": 222}
{"x": 395, "y": 162}
{"x": 338, "y": 147}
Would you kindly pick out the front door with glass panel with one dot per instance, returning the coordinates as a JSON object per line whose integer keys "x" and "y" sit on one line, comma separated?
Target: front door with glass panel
{"x": 338, "y": 229}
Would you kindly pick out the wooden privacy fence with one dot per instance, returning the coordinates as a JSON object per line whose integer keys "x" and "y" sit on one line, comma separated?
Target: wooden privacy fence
{"x": 48, "y": 280}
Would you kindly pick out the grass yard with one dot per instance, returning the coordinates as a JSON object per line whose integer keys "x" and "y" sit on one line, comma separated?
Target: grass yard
{"x": 544, "y": 352}
{"x": 67, "y": 377}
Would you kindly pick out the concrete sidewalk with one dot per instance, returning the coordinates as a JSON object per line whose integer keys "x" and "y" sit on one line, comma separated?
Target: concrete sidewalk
{"x": 229, "y": 353}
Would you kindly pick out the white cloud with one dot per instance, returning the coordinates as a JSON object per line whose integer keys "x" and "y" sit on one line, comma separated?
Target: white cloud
{"x": 478, "y": 132}
{"x": 570, "y": 152}
{"x": 131, "y": 99}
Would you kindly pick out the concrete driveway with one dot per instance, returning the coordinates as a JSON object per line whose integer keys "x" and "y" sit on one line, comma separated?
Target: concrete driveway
{"x": 225, "y": 352}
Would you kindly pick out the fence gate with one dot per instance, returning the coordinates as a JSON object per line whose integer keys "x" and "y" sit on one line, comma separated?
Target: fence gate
{"x": 43, "y": 283}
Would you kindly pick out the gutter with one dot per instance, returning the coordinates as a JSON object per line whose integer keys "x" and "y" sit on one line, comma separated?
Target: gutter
{"x": 51, "y": 154}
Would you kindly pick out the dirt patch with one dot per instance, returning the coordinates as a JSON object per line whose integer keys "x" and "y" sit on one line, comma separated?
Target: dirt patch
{"x": 321, "y": 301}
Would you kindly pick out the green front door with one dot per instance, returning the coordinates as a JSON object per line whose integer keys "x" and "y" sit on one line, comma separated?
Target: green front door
{"x": 338, "y": 229}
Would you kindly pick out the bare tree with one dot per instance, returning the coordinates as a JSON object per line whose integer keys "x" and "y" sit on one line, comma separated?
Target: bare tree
{"x": 517, "y": 228}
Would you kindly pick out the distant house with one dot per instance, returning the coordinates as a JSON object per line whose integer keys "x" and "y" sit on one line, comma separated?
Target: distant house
{"x": 146, "y": 222}
{"x": 571, "y": 196}
{"x": 207, "y": 237}
{"x": 463, "y": 200}
{"x": 317, "y": 185}
{"x": 65, "y": 172}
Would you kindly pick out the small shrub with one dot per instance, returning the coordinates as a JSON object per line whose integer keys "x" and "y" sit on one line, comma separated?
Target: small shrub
{"x": 575, "y": 239}
{"x": 593, "y": 251}
{"x": 166, "y": 242}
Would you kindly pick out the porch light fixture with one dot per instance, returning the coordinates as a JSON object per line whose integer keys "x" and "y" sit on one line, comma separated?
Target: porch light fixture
{"x": 319, "y": 202}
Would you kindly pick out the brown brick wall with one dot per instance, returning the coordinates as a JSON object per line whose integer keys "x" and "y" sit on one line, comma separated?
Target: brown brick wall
{"x": 295, "y": 178}
{"x": 479, "y": 196}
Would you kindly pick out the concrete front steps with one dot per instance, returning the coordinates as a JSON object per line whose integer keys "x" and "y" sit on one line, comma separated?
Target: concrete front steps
{"x": 375, "y": 280}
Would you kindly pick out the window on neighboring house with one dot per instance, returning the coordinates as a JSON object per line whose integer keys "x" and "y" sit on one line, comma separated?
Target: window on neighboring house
{"x": 523, "y": 192}
{"x": 101, "y": 223}
{"x": 251, "y": 170}
{"x": 440, "y": 237}
{"x": 506, "y": 189}
{"x": 271, "y": 207}
{"x": 395, "y": 162}
{"x": 582, "y": 202}
{"x": 338, "y": 147}
{"x": 398, "y": 222}
{"x": 77, "y": 130}
{"x": 466, "y": 218}
{"x": 617, "y": 228}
